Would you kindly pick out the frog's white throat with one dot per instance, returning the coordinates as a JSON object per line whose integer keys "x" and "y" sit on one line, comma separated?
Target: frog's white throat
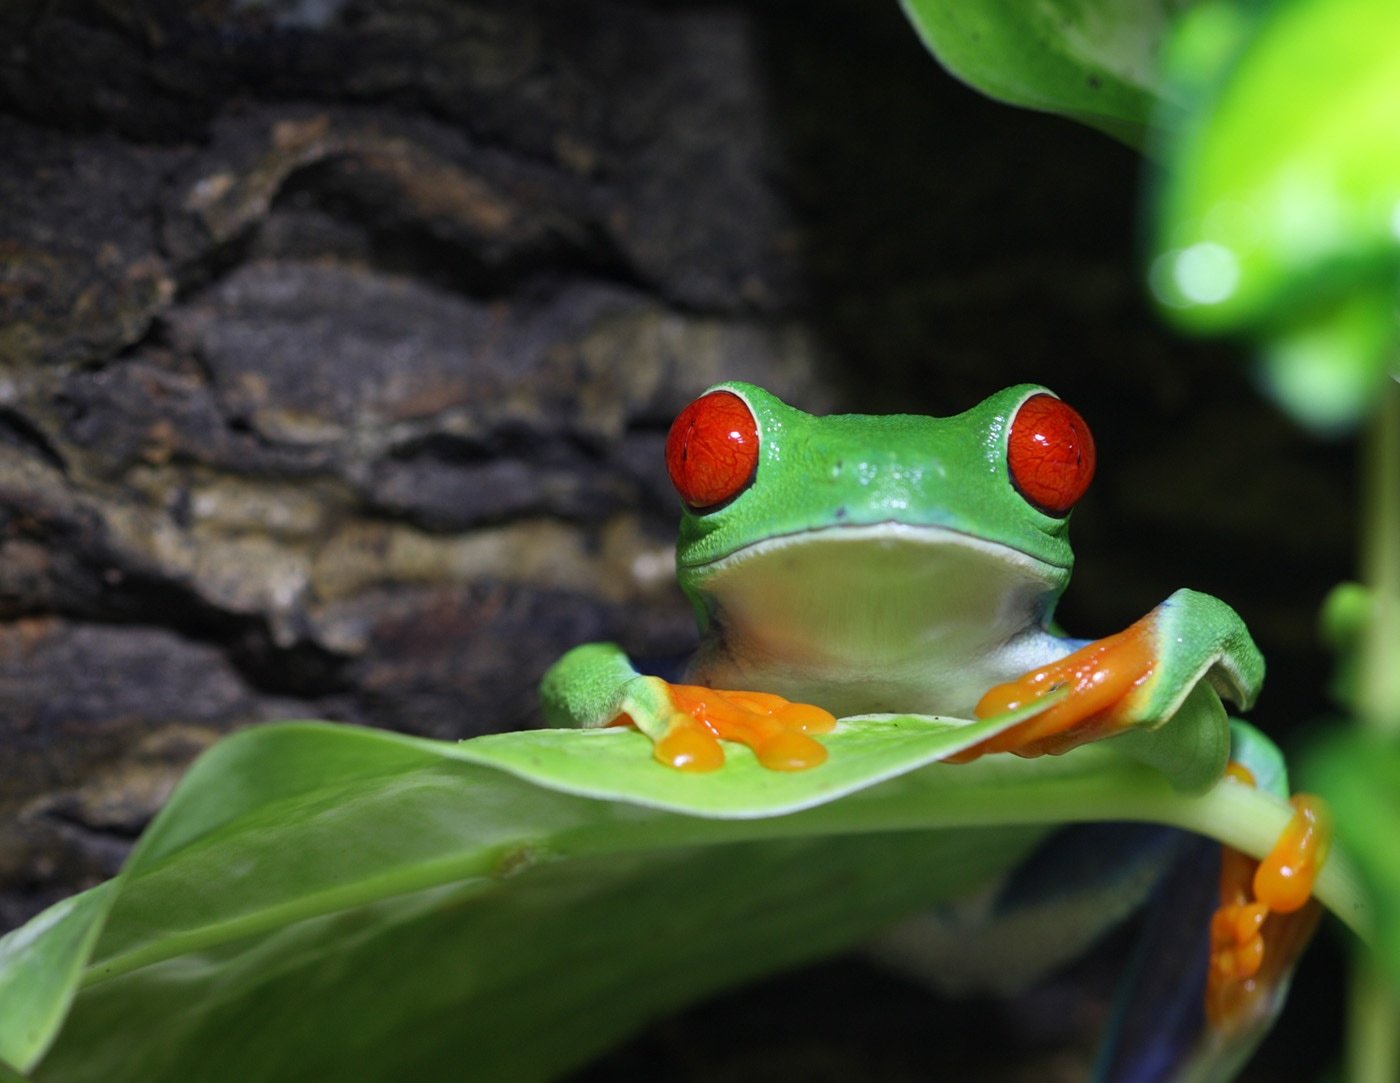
{"x": 884, "y": 617}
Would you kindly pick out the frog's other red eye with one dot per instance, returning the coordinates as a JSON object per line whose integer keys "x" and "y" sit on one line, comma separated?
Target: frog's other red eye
{"x": 1050, "y": 454}
{"x": 712, "y": 449}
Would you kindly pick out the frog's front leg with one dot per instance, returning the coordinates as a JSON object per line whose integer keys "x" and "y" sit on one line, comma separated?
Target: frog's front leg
{"x": 596, "y": 685}
{"x": 1139, "y": 677}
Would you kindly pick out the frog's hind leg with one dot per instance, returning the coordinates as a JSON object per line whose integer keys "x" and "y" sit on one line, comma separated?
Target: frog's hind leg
{"x": 1157, "y": 1017}
{"x": 1057, "y": 907}
{"x": 1212, "y": 970}
{"x": 1163, "y": 1028}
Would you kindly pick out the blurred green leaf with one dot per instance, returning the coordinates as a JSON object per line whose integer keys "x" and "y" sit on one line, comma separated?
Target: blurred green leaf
{"x": 40, "y": 966}
{"x": 1359, "y": 774}
{"x": 321, "y": 901}
{"x": 1280, "y": 206}
{"x": 1092, "y": 60}
{"x": 1346, "y": 612}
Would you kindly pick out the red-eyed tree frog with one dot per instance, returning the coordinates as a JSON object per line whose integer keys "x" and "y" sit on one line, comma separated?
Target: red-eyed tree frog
{"x": 853, "y": 565}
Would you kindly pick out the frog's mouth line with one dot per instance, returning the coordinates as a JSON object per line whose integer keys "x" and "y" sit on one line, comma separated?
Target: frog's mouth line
{"x": 887, "y": 533}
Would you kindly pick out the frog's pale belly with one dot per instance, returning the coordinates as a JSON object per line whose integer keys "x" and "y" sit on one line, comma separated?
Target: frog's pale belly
{"x": 875, "y": 619}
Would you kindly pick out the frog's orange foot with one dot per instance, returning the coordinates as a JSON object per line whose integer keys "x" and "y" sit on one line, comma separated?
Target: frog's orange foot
{"x": 775, "y": 728}
{"x": 1101, "y": 676}
{"x": 1265, "y": 917}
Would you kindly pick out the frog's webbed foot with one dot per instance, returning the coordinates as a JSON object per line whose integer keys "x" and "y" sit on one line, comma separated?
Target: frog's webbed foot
{"x": 1265, "y": 917}
{"x": 595, "y": 685}
{"x": 687, "y": 722}
{"x": 1100, "y": 676}
{"x": 1138, "y": 677}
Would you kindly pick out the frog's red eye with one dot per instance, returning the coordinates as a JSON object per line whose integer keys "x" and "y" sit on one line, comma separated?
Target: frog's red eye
{"x": 1050, "y": 454}
{"x": 712, "y": 449}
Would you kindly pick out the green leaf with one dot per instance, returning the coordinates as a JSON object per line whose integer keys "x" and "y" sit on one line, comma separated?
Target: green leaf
{"x": 1359, "y": 774}
{"x": 1092, "y": 60}
{"x": 299, "y": 784}
{"x": 320, "y": 901}
{"x": 864, "y": 750}
{"x": 1278, "y": 212}
{"x": 1346, "y": 612}
{"x": 9, "y": 1075}
{"x": 40, "y": 965}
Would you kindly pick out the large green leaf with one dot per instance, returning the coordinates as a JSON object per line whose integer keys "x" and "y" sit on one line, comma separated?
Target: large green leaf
{"x": 321, "y": 901}
{"x": 1092, "y": 60}
{"x": 1278, "y": 215}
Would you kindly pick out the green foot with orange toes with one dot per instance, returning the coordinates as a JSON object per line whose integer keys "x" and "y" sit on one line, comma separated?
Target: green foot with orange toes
{"x": 595, "y": 685}
{"x": 698, "y": 718}
{"x": 1266, "y": 915}
{"x": 1174, "y": 665}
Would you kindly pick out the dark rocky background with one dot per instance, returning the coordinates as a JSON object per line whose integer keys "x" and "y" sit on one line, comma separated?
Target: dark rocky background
{"x": 339, "y": 338}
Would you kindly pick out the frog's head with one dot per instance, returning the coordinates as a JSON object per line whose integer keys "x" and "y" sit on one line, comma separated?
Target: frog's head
{"x": 896, "y": 503}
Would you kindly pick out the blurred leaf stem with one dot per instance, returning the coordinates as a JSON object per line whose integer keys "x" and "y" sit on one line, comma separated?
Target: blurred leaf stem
{"x": 1379, "y": 699}
{"x": 1373, "y": 1046}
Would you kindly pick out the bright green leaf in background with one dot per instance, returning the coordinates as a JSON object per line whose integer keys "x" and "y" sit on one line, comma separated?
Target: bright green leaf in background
{"x": 1092, "y": 60}
{"x": 1279, "y": 214}
{"x": 320, "y": 902}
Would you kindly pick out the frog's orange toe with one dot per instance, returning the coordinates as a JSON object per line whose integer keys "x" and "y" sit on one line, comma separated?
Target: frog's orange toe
{"x": 776, "y": 729}
{"x": 789, "y": 751}
{"x": 689, "y": 746}
{"x": 805, "y": 718}
{"x": 1284, "y": 880}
